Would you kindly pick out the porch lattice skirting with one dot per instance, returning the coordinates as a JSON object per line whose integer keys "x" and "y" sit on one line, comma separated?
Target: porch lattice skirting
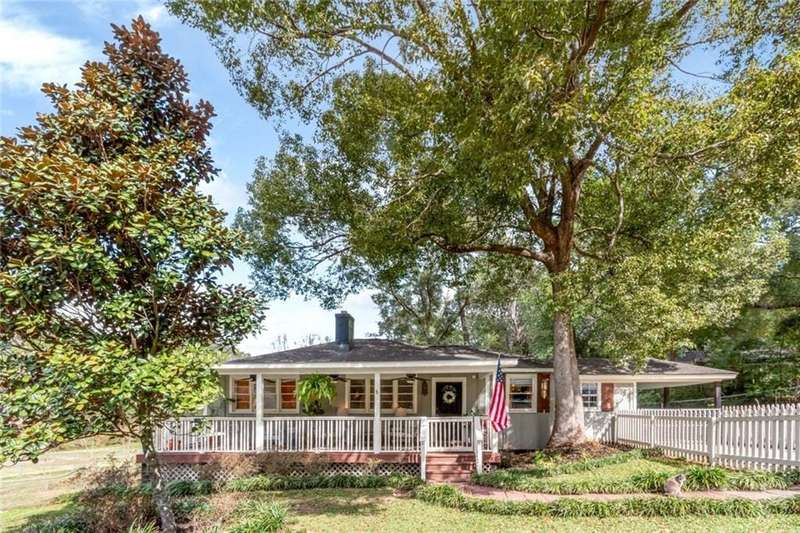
{"x": 194, "y": 472}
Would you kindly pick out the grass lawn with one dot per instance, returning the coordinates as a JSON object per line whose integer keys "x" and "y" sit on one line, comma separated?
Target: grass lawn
{"x": 377, "y": 510}
{"x": 28, "y": 489}
{"x": 31, "y": 492}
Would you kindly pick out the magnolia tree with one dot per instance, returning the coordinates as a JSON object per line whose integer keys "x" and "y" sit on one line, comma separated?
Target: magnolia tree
{"x": 111, "y": 312}
{"x": 560, "y": 133}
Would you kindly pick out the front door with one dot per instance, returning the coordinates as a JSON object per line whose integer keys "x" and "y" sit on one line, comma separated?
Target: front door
{"x": 449, "y": 399}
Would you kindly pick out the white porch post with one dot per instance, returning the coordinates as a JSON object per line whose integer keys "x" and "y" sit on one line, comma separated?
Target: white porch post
{"x": 477, "y": 443}
{"x": 494, "y": 437}
{"x": 487, "y": 393}
{"x": 259, "y": 433}
{"x": 423, "y": 447}
{"x": 376, "y": 413}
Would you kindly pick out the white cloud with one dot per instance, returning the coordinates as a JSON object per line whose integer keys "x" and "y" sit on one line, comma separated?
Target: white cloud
{"x": 152, "y": 13}
{"x": 31, "y": 55}
{"x": 227, "y": 194}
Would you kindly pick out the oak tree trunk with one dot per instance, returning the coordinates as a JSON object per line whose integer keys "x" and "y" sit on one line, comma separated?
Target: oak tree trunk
{"x": 568, "y": 427}
{"x": 160, "y": 496}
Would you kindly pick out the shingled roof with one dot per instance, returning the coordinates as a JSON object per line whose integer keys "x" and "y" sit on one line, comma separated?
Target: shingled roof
{"x": 370, "y": 351}
{"x": 367, "y": 351}
{"x": 596, "y": 366}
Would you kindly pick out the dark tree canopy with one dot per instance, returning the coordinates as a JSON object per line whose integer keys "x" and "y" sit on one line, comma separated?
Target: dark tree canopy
{"x": 111, "y": 309}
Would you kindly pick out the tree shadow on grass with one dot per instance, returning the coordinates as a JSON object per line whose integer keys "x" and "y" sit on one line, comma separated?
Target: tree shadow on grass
{"x": 30, "y": 523}
{"x": 352, "y": 502}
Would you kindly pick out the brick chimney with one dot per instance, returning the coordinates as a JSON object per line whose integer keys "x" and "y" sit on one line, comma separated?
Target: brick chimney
{"x": 344, "y": 330}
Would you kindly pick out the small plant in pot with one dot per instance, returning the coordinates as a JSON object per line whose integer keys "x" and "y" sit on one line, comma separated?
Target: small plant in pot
{"x": 313, "y": 390}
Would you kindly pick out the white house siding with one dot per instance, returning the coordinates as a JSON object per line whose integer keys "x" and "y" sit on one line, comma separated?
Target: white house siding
{"x": 528, "y": 431}
{"x": 474, "y": 396}
{"x": 624, "y": 396}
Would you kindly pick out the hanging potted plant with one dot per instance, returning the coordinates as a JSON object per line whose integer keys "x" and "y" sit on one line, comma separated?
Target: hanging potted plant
{"x": 313, "y": 390}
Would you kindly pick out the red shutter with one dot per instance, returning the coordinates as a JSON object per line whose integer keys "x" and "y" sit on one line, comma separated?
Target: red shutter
{"x": 607, "y": 396}
{"x": 543, "y": 393}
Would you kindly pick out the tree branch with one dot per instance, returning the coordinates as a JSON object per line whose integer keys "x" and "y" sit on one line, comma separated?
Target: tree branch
{"x": 505, "y": 249}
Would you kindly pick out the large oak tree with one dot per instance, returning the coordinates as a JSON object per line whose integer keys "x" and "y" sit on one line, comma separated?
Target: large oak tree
{"x": 563, "y": 133}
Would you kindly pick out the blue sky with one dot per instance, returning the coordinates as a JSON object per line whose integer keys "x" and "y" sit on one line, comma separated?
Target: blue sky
{"x": 49, "y": 40}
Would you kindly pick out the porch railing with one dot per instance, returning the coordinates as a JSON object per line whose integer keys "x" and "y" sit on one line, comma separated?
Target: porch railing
{"x": 325, "y": 434}
{"x": 207, "y": 434}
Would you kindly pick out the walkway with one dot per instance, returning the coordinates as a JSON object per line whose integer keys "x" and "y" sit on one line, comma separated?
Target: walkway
{"x": 518, "y": 496}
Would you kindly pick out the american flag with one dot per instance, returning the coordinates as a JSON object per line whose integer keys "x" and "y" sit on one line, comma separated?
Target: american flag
{"x": 498, "y": 413}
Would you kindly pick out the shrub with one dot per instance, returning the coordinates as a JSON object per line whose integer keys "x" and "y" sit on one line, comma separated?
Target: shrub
{"x": 189, "y": 488}
{"x": 69, "y": 522}
{"x": 268, "y": 482}
{"x": 258, "y": 517}
{"x": 113, "y": 498}
{"x": 706, "y": 478}
{"x": 784, "y": 506}
{"x": 185, "y": 508}
{"x": 650, "y": 481}
{"x": 757, "y": 480}
{"x": 403, "y": 481}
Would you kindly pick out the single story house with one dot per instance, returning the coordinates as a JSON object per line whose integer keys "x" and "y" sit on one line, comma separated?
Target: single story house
{"x": 404, "y": 404}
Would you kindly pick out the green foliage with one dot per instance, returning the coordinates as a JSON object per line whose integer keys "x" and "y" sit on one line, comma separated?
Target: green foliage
{"x": 488, "y": 301}
{"x": 185, "y": 507}
{"x": 538, "y": 479}
{"x": 111, "y": 310}
{"x": 706, "y": 478}
{"x": 448, "y": 496}
{"x": 276, "y": 482}
{"x": 458, "y": 127}
{"x": 760, "y": 480}
{"x": 146, "y": 527}
{"x": 68, "y": 522}
{"x": 314, "y": 389}
{"x": 260, "y": 517}
{"x": 648, "y": 479}
{"x": 189, "y": 488}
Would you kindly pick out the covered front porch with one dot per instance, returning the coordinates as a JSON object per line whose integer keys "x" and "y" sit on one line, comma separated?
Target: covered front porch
{"x": 341, "y": 434}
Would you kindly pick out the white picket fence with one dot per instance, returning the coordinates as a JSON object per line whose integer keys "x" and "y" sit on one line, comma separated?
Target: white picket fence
{"x": 756, "y": 437}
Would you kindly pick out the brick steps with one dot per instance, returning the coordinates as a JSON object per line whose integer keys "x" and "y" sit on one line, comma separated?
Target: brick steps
{"x": 450, "y": 467}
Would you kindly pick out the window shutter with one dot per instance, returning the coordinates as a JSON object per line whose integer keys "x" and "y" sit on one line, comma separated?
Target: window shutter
{"x": 607, "y": 396}
{"x": 543, "y": 392}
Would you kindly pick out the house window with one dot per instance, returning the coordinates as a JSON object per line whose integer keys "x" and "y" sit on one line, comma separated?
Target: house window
{"x": 521, "y": 392}
{"x": 396, "y": 393}
{"x": 279, "y": 394}
{"x": 270, "y": 394}
{"x": 357, "y": 394}
{"x": 387, "y": 395}
{"x": 288, "y": 397}
{"x": 405, "y": 393}
{"x": 589, "y": 393}
{"x": 242, "y": 393}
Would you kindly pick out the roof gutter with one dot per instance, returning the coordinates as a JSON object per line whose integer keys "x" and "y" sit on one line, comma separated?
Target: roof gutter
{"x": 227, "y": 368}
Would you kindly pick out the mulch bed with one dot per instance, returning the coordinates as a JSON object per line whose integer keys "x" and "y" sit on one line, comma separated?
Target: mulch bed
{"x": 588, "y": 450}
